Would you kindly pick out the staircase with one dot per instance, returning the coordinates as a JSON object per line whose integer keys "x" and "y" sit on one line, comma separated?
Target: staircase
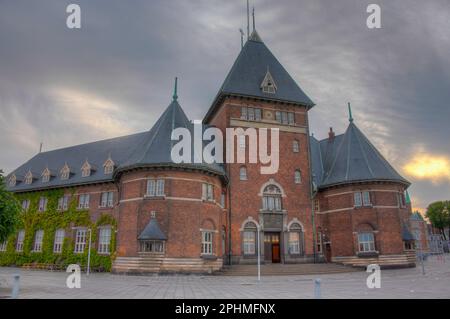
{"x": 385, "y": 261}
{"x": 285, "y": 269}
{"x": 145, "y": 263}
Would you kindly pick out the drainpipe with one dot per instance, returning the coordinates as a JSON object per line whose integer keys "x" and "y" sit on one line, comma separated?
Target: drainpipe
{"x": 229, "y": 214}
{"x": 311, "y": 188}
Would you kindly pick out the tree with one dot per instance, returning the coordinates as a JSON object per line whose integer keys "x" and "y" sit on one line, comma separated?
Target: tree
{"x": 9, "y": 211}
{"x": 439, "y": 215}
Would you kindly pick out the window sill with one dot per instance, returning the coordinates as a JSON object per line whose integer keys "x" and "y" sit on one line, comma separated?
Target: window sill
{"x": 367, "y": 254}
{"x": 151, "y": 197}
{"x": 208, "y": 257}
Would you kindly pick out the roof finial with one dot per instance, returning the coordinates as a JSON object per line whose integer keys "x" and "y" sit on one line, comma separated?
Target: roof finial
{"x": 253, "y": 14}
{"x": 350, "y": 117}
{"x": 40, "y": 147}
{"x": 242, "y": 38}
{"x": 248, "y": 20}
{"x": 175, "y": 96}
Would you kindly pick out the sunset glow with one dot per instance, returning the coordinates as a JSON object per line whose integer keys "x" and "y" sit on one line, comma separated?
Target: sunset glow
{"x": 428, "y": 167}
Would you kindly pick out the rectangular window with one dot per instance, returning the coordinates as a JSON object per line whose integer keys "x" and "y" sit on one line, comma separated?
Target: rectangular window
{"x": 155, "y": 187}
{"x": 366, "y": 198}
{"x": 357, "y": 199}
{"x": 152, "y": 246}
{"x": 291, "y": 118}
{"x": 104, "y": 240}
{"x": 319, "y": 242}
{"x": 3, "y": 246}
{"x": 26, "y": 204}
{"x": 20, "y": 238}
{"x": 83, "y": 201}
{"x": 207, "y": 243}
{"x": 222, "y": 200}
{"x": 278, "y": 116}
{"x": 42, "y": 204}
{"x": 251, "y": 114}
{"x": 107, "y": 199}
{"x": 244, "y": 113}
{"x": 284, "y": 118}
{"x": 59, "y": 240}
{"x": 249, "y": 242}
{"x": 294, "y": 243}
{"x": 295, "y": 146}
{"x": 207, "y": 192}
{"x": 400, "y": 200}
{"x": 80, "y": 240}
{"x": 63, "y": 203}
{"x": 242, "y": 141}
{"x": 366, "y": 242}
{"x": 316, "y": 205}
{"x": 258, "y": 115}
{"x": 38, "y": 237}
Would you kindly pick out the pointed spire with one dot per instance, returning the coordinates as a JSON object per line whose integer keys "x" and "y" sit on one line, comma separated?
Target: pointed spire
{"x": 248, "y": 20}
{"x": 407, "y": 198}
{"x": 350, "y": 117}
{"x": 253, "y": 14}
{"x": 175, "y": 96}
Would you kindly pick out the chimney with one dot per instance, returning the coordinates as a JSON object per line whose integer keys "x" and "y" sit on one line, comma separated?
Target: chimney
{"x": 331, "y": 135}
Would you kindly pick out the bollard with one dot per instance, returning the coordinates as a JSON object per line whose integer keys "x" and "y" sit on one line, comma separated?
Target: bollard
{"x": 317, "y": 292}
{"x": 15, "y": 288}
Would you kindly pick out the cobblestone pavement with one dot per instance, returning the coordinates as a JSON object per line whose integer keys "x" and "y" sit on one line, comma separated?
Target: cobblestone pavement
{"x": 395, "y": 283}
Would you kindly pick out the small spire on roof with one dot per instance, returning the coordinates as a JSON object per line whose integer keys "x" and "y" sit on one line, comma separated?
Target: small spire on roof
{"x": 253, "y": 15}
{"x": 175, "y": 96}
{"x": 350, "y": 117}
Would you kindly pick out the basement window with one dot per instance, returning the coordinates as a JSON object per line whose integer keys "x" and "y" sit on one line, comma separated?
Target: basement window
{"x": 152, "y": 246}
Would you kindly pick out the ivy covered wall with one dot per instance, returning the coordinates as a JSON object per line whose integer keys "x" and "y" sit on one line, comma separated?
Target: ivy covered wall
{"x": 51, "y": 220}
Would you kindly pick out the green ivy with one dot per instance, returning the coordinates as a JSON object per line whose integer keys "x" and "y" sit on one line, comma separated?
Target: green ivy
{"x": 51, "y": 220}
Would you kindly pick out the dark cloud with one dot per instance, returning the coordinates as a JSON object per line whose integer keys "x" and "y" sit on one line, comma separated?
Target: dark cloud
{"x": 114, "y": 76}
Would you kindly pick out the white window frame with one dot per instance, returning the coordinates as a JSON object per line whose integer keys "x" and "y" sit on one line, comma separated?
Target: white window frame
{"x": 46, "y": 177}
{"x": 3, "y": 246}
{"x": 249, "y": 241}
{"x": 155, "y": 246}
{"x": 295, "y": 146}
{"x": 12, "y": 181}
{"x": 80, "y": 240}
{"x": 208, "y": 192}
{"x": 65, "y": 173}
{"x": 29, "y": 178}
{"x": 366, "y": 241}
{"x": 59, "y": 241}
{"x": 243, "y": 173}
{"x": 43, "y": 201}
{"x": 294, "y": 245}
{"x": 107, "y": 199}
{"x": 291, "y": 118}
{"x": 258, "y": 114}
{"x": 83, "y": 201}
{"x": 104, "y": 240}
{"x": 108, "y": 167}
{"x": 207, "y": 242}
{"x": 366, "y": 198}
{"x": 155, "y": 188}
{"x": 244, "y": 113}
{"x": 63, "y": 203}
{"x": 357, "y": 199}
{"x": 242, "y": 142}
{"x": 20, "y": 239}
{"x": 38, "y": 239}
{"x": 297, "y": 176}
{"x": 26, "y": 205}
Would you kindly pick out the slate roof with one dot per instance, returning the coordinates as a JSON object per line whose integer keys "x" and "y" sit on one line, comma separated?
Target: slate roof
{"x": 152, "y": 231}
{"x": 416, "y": 216}
{"x": 406, "y": 234}
{"x": 349, "y": 158}
{"x": 248, "y": 72}
{"x": 151, "y": 148}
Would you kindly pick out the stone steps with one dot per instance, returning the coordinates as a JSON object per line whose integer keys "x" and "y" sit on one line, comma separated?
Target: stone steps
{"x": 383, "y": 260}
{"x": 286, "y": 269}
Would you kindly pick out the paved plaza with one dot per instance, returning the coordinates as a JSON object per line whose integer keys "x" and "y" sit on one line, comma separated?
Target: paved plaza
{"x": 395, "y": 283}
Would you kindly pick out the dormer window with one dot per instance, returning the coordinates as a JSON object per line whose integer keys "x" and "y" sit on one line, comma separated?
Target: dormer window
{"x": 29, "y": 178}
{"x": 65, "y": 172}
{"x": 268, "y": 84}
{"x": 108, "y": 166}
{"x": 46, "y": 175}
{"x": 86, "y": 169}
{"x": 12, "y": 181}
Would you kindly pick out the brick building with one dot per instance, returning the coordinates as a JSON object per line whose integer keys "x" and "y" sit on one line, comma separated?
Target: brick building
{"x": 334, "y": 200}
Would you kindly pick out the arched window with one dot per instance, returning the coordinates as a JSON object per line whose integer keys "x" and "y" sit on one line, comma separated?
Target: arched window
{"x": 295, "y": 239}
{"x": 297, "y": 176}
{"x": 272, "y": 198}
{"x": 249, "y": 238}
{"x": 65, "y": 172}
{"x": 12, "y": 181}
{"x": 108, "y": 166}
{"x": 29, "y": 178}
{"x": 243, "y": 173}
{"x": 86, "y": 169}
{"x": 46, "y": 175}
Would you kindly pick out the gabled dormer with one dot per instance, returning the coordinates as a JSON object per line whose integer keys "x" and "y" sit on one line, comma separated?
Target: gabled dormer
{"x": 65, "y": 172}
{"x": 268, "y": 84}
{"x": 86, "y": 169}
{"x": 46, "y": 175}
{"x": 12, "y": 180}
{"x": 29, "y": 178}
{"x": 108, "y": 166}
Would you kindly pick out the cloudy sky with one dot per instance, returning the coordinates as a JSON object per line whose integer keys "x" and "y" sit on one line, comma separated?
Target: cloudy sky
{"x": 114, "y": 76}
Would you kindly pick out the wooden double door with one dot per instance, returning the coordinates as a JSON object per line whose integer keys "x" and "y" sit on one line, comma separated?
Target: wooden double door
{"x": 272, "y": 248}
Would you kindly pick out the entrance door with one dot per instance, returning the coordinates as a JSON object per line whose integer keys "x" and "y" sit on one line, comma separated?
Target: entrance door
{"x": 272, "y": 247}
